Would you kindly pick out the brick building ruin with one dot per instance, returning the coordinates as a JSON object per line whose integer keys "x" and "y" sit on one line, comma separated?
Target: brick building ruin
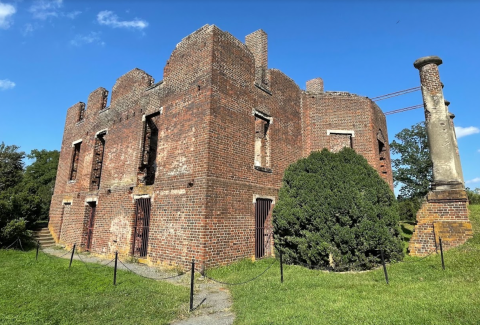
{"x": 191, "y": 166}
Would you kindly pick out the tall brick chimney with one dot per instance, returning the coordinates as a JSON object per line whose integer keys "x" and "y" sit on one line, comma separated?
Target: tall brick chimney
{"x": 315, "y": 86}
{"x": 257, "y": 43}
{"x": 444, "y": 212}
{"x": 440, "y": 132}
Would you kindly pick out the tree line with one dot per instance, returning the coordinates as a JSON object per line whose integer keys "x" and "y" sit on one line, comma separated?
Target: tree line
{"x": 25, "y": 192}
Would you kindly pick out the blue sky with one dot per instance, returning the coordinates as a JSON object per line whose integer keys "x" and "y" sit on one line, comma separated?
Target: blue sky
{"x": 54, "y": 53}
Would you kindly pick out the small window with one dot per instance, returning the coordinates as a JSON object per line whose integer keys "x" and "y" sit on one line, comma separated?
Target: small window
{"x": 382, "y": 155}
{"x": 262, "y": 143}
{"x": 97, "y": 166}
{"x": 338, "y": 141}
{"x": 81, "y": 113}
{"x": 75, "y": 159}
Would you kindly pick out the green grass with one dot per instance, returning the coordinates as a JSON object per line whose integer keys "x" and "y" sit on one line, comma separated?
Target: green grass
{"x": 419, "y": 292}
{"x": 48, "y": 292}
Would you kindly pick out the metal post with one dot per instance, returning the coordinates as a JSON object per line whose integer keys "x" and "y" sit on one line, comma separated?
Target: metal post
{"x": 281, "y": 267}
{"x": 192, "y": 279}
{"x": 384, "y": 267}
{"x": 71, "y": 257}
{"x": 38, "y": 246}
{"x": 115, "y": 269}
{"x": 441, "y": 252}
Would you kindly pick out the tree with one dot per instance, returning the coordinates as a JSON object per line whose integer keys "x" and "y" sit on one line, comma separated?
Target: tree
{"x": 11, "y": 166}
{"x": 414, "y": 168}
{"x": 334, "y": 210}
{"x": 473, "y": 195}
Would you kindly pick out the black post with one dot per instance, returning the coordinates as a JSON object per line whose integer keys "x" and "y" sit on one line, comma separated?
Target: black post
{"x": 115, "y": 270}
{"x": 71, "y": 257}
{"x": 192, "y": 279}
{"x": 281, "y": 267}
{"x": 441, "y": 252}
{"x": 384, "y": 267}
{"x": 38, "y": 246}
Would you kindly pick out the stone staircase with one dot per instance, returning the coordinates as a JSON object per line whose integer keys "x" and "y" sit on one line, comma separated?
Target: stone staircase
{"x": 44, "y": 236}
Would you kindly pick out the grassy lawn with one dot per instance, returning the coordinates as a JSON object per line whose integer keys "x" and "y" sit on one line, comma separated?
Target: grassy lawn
{"x": 47, "y": 292}
{"x": 420, "y": 292}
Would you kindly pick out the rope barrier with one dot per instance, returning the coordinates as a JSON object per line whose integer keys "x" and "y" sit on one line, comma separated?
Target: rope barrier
{"x": 146, "y": 277}
{"x": 92, "y": 266}
{"x": 12, "y": 243}
{"x": 238, "y": 283}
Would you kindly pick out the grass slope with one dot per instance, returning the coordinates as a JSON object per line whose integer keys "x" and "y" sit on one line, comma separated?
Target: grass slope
{"x": 420, "y": 292}
{"x": 47, "y": 292}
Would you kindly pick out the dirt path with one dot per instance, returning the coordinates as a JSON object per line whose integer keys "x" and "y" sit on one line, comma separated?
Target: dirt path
{"x": 212, "y": 302}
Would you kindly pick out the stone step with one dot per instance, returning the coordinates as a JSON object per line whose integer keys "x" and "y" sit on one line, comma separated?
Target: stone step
{"x": 44, "y": 237}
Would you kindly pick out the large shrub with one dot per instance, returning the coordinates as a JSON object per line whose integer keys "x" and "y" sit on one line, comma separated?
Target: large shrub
{"x": 335, "y": 211}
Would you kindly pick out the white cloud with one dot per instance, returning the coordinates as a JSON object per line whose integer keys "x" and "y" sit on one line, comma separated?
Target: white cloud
{"x": 463, "y": 132}
{"x": 73, "y": 14}
{"x": 108, "y": 18}
{"x": 6, "y": 13}
{"x": 43, "y": 9}
{"x": 475, "y": 180}
{"x": 90, "y": 38}
{"x": 6, "y": 84}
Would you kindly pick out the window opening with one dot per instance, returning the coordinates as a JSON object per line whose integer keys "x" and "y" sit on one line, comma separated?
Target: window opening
{"x": 382, "y": 154}
{"x": 338, "y": 141}
{"x": 262, "y": 143}
{"x": 141, "y": 228}
{"x": 75, "y": 159}
{"x": 148, "y": 164}
{"x": 81, "y": 114}
{"x": 99, "y": 150}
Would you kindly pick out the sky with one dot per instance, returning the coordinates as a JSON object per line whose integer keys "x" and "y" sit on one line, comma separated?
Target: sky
{"x": 53, "y": 53}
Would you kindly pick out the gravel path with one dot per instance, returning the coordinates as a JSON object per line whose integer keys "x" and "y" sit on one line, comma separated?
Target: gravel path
{"x": 213, "y": 302}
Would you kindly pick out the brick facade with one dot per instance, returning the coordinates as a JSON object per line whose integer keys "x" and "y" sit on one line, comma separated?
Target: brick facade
{"x": 202, "y": 145}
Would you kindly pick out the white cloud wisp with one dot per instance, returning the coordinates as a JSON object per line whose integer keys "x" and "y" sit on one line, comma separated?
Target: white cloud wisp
{"x": 108, "y": 18}
{"x": 475, "y": 180}
{"x": 6, "y": 13}
{"x": 90, "y": 38}
{"x": 463, "y": 132}
{"x": 6, "y": 84}
{"x": 43, "y": 9}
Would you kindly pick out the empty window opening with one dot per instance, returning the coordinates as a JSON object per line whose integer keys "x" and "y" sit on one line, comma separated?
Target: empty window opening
{"x": 382, "y": 154}
{"x": 81, "y": 113}
{"x": 91, "y": 209}
{"x": 262, "y": 142}
{"x": 75, "y": 159}
{"x": 141, "y": 228}
{"x": 262, "y": 210}
{"x": 97, "y": 166}
{"x": 148, "y": 164}
{"x": 338, "y": 141}
{"x": 65, "y": 213}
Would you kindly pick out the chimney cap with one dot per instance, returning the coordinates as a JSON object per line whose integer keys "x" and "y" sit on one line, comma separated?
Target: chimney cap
{"x": 427, "y": 60}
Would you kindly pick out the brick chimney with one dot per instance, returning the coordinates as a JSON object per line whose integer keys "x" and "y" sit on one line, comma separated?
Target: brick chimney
{"x": 315, "y": 86}
{"x": 257, "y": 43}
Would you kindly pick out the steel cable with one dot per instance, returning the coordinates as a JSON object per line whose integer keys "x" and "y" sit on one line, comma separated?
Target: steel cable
{"x": 238, "y": 283}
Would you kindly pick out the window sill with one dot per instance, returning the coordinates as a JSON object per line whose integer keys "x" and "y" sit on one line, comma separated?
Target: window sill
{"x": 263, "y": 169}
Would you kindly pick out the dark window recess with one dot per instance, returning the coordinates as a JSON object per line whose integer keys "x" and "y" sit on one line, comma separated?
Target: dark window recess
{"x": 97, "y": 162}
{"x": 75, "y": 158}
{"x": 382, "y": 153}
{"x": 148, "y": 164}
{"x": 92, "y": 207}
{"x": 81, "y": 114}
{"x": 262, "y": 143}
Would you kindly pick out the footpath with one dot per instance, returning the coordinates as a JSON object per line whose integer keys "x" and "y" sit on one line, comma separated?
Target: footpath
{"x": 213, "y": 301}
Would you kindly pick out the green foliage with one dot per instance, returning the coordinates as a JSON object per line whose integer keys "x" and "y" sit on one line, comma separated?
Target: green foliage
{"x": 414, "y": 168}
{"x": 15, "y": 229}
{"x": 408, "y": 207}
{"x": 25, "y": 194}
{"x": 335, "y": 210}
{"x": 473, "y": 195}
{"x": 11, "y": 166}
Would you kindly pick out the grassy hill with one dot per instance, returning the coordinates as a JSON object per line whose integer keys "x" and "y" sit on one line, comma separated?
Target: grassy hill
{"x": 420, "y": 292}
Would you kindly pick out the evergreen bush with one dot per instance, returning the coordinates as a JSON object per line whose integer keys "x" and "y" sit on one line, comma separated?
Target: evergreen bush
{"x": 335, "y": 211}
